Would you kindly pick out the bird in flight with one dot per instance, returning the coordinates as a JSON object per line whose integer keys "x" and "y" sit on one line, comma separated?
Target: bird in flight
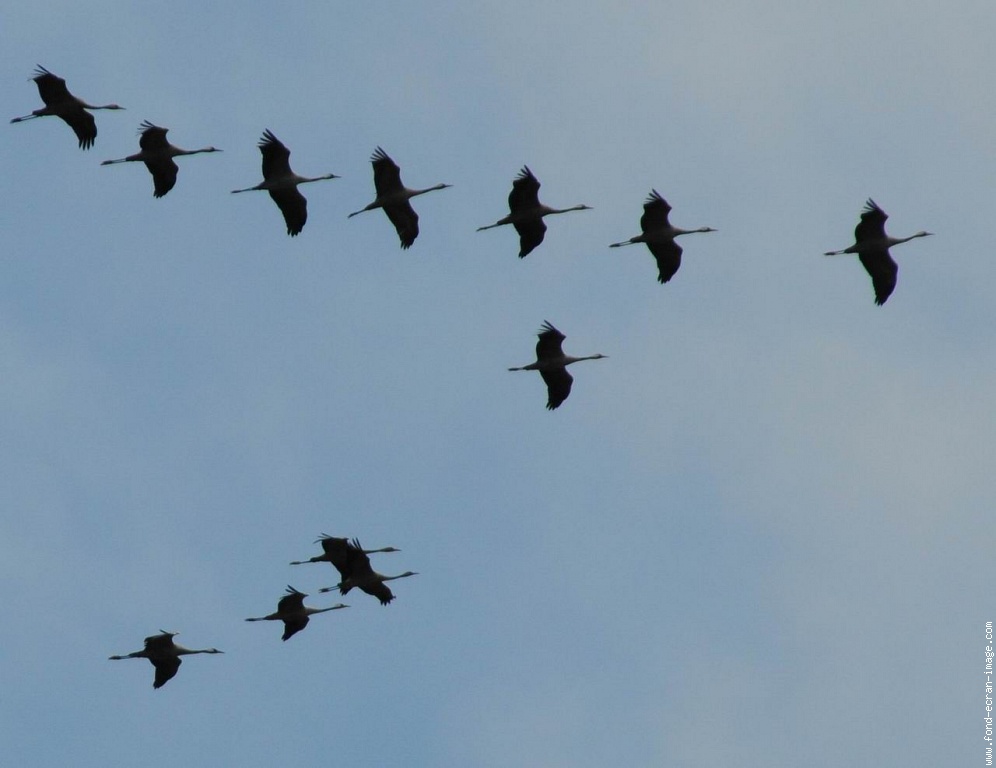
{"x": 659, "y": 235}
{"x": 61, "y": 103}
{"x": 157, "y": 154}
{"x": 394, "y": 197}
{"x": 281, "y": 182}
{"x": 872, "y": 246}
{"x": 164, "y": 655}
{"x": 552, "y": 364}
{"x": 527, "y": 212}
{"x": 292, "y": 611}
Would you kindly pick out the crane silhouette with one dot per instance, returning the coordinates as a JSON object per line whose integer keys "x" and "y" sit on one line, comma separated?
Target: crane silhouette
{"x": 157, "y": 154}
{"x": 552, "y": 364}
{"x": 527, "y": 212}
{"x": 282, "y": 183}
{"x": 340, "y": 553}
{"x": 61, "y": 103}
{"x": 394, "y": 197}
{"x": 659, "y": 234}
{"x": 872, "y": 246}
{"x": 292, "y": 611}
{"x": 164, "y": 655}
{"x": 357, "y": 572}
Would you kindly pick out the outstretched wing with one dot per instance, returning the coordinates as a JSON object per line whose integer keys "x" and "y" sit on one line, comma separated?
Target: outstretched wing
{"x": 883, "y": 271}
{"x": 525, "y": 192}
{"x": 380, "y": 590}
{"x": 166, "y": 669}
{"x": 164, "y": 172}
{"x": 294, "y": 625}
{"x": 293, "y": 206}
{"x": 276, "y": 157}
{"x": 872, "y": 224}
{"x": 531, "y": 234}
{"x": 405, "y": 221}
{"x": 558, "y": 386}
{"x": 655, "y": 211}
{"x": 387, "y": 174}
{"x": 550, "y": 341}
{"x": 668, "y": 256}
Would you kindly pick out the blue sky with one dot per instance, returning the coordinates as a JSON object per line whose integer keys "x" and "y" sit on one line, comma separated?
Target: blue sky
{"x": 756, "y": 534}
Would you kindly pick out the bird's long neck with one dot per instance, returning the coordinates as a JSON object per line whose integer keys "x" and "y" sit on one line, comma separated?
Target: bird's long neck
{"x": 306, "y": 180}
{"x": 399, "y": 576}
{"x": 898, "y": 240}
{"x": 568, "y": 359}
{"x": 679, "y": 231}
{"x": 315, "y": 559}
{"x": 181, "y": 651}
{"x": 311, "y": 611}
{"x": 550, "y": 211}
{"x": 428, "y": 189}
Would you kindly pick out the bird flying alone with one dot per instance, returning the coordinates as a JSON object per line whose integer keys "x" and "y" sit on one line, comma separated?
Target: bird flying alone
{"x": 872, "y": 246}
{"x": 157, "y": 154}
{"x": 659, "y": 234}
{"x": 526, "y": 212}
{"x": 552, "y": 364}
{"x": 394, "y": 197}
{"x": 61, "y": 103}
{"x": 164, "y": 655}
{"x": 282, "y": 183}
{"x": 292, "y": 611}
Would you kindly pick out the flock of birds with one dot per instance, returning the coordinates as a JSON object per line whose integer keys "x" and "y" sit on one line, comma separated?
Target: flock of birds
{"x": 355, "y": 572}
{"x": 526, "y": 214}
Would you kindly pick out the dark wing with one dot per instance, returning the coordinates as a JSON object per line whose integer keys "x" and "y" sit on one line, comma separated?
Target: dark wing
{"x": 337, "y": 552}
{"x": 872, "y": 224}
{"x": 163, "y": 172}
{"x": 558, "y": 386}
{"x": 83, "y": 125}
{"x": 404, "y": 219}
{"x": 293, "y": 206}
{"x": 380, "y": 590}
{"x": 883, "y": 271}
{"x": 655, "y": 211}
{"x": 525, "y": 193}
{"x": 294, "y": 625}
{"x": 668, "y": 255}
{"x": 51, "y": 88}
{"x": 153, "y": 137}
{"x": 291, "y": 602}
{"x": 387, "y": 174}
{"x": 359, "y": 562}
{"x": 276, "y": 160}
{"x": 160, "y": 643}
{"x": 531, "y": 234}
{"x": 549, "y": 344}
{"x": 166, "y": 669}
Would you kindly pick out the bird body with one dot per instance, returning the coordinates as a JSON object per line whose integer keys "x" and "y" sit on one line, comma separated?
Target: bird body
{"x": 157, "y": 154}
{"x": 526, "y": 212}
{"x": 61, "y": 103}
{"x": 164, "y": 655}
{"x": 659, "y": 234}
{"x": 292, "y": 611}
{"x": 552, "y": 364}
{"x": 872, "y": 244}
{"x": 282, "y": 183}
{"x": 394, "y": 197}
{"x": 360, "y": 574}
